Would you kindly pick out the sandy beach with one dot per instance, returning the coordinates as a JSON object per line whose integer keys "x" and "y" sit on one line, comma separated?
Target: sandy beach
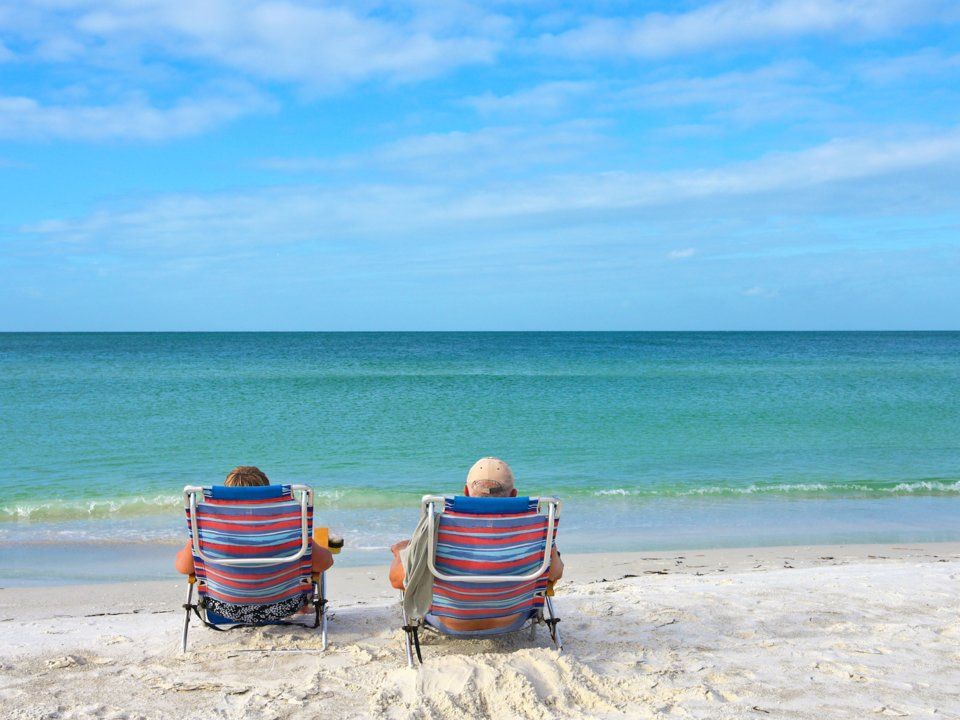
{"x": 853, "y": 631}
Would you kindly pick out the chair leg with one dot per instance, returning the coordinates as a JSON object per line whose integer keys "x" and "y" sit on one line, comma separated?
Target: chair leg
{"x": 188, "y": 606}
{"x": 410, "y": 637}
{"x": 552, "y": 622}
{"x": 323, "y": 610}
{"x": 407, "y": 643}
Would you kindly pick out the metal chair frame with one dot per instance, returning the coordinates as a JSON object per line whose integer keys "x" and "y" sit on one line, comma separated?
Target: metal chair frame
{"x": 318, "y": 580}
{"x": 432, "y": 506}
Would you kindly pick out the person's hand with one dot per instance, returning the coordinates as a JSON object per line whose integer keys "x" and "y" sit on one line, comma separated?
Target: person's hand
{"x": 397, "y": 547}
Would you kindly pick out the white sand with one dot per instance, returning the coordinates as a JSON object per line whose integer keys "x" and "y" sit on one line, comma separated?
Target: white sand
{"x": 839, "y": 632}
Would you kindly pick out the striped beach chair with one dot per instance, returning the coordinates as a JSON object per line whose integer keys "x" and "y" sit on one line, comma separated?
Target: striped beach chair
{"x": 490, "y": 559}
{"x": 252, "y": 556}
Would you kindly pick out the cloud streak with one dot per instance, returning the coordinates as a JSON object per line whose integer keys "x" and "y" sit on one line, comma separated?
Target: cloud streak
{"x": 928, "y": 62}
{"x": 135, "y": 119}
{"x": 504, "y": 149}
{"x": 735, "y": 22}
{"x": 770, "y": 92}
{"x": 543, "y": 99}
{"x": 385, "y": 213}
{"x": 317, "y": 46}
{"x": 759, "y": 291}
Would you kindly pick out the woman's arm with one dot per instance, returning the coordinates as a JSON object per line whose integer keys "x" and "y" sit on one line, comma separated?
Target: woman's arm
{"x": 183, "y": 562}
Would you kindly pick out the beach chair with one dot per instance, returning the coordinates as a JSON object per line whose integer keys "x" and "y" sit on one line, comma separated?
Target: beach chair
{"x": 252, "y": 551}
{"x": 490, "y": 559}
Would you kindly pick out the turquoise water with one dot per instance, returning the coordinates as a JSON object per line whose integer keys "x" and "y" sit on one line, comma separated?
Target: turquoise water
{"x": 654, "y": 440}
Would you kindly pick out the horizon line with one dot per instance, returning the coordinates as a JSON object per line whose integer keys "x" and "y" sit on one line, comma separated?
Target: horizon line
{"x": 580, "y": 331}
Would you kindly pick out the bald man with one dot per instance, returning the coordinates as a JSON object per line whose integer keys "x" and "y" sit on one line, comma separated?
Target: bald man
{"x": 489, "y": 477}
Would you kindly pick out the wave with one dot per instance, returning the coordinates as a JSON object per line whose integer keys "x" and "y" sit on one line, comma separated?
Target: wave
{"x": 377, "y": 500}
{"x": 89, "y": 508}
{"x": 918, "y": 487}
{"x": 123, "y": 507}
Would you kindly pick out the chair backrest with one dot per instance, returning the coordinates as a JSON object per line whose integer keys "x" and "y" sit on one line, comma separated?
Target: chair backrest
{"x": 491, "y": 538}
{"x": 251, "y": 545}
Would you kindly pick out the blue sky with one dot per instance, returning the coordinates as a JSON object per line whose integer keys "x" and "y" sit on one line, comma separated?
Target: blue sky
{"x": 235, "y": 164}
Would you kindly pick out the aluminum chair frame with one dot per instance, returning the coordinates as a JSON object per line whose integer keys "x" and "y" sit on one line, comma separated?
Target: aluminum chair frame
{"x": 429, "y": 505}
{"x": 318, "y": 580}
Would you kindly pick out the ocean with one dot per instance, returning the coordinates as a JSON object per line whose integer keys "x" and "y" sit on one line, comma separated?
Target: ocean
{"x": 652, "y": 440}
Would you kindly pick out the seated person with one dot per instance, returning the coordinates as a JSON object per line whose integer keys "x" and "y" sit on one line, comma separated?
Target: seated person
{"x": 489, "y": 477}
{"x": 248, "y": 476}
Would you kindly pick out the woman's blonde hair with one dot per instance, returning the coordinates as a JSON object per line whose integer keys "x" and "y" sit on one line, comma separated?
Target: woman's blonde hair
{"x": 246, "y": 476}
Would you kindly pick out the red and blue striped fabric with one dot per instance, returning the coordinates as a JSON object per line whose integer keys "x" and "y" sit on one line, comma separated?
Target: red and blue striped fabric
{"x": 250, "y": 528}
{"x": 489, "y": 544}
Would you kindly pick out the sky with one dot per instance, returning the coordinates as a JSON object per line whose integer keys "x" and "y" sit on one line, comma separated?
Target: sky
{"x": 448, "y": 165}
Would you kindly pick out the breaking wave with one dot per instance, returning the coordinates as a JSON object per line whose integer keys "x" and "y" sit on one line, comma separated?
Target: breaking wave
{"x": 121, "y": 507}
{"x": 89, "y": 508}
{"x": 370, "y": 499}
{"x": 917, "y": 487}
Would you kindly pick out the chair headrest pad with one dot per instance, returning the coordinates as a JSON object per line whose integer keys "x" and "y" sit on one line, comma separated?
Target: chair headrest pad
{"x": 260, "y": 492}
{"x": 490, "y": 506}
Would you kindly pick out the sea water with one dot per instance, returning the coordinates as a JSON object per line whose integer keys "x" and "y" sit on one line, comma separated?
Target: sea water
{"x": 652, "y": 440}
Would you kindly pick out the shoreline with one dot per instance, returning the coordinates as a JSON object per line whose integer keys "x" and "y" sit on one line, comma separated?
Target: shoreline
{"x": 582, "y": 566}
{"x": 70, "y": 560}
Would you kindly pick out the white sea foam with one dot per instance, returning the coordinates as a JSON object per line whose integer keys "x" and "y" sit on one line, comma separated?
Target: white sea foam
{"x": 369, "y": 499}
{"x": 120, "y": 506}
{"x": 100, "y": 508}
{"x": 919, "y": 487}
{"x": 928, "y": 485}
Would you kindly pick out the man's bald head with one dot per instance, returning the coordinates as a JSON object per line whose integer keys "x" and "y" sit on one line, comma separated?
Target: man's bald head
{"x": 490, "y": 477}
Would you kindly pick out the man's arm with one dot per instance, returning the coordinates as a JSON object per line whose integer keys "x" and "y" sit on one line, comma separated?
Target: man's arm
{"x": 556, "y": 565}
{"x": 396, "y": 567}
{"x": 183, "y": 562}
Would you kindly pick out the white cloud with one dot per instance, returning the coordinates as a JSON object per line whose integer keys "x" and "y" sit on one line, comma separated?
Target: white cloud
{"x": 786, "y": 89}
{"x": 59, "y": 48}
{"x": 760, "y": 291}
{"x": 929, "y": 61}
{"x": 384, "y": 212}
{"x": 135, "y": 119}
{"x": 782, "y": 89}
{"x": 835, "y": 161}
{"x": 545, "y": 98}
{"x": 318, "y": 46}
{"x": 682, "y": 253}
{"x": 462, "y": 153}
{"x": 731, "y": 22}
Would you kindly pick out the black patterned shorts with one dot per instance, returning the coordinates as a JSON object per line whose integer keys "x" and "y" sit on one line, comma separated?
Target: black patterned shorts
{"x": 255, "y": 614}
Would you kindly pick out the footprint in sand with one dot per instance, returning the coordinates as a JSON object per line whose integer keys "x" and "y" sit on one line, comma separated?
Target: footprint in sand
{"x": 951, "y": 631}
{"x": 887, "y": 710}
{"x": 116, "y": 640}
{"x": 65, "y": 662}
{"x": 528, "y": 684}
